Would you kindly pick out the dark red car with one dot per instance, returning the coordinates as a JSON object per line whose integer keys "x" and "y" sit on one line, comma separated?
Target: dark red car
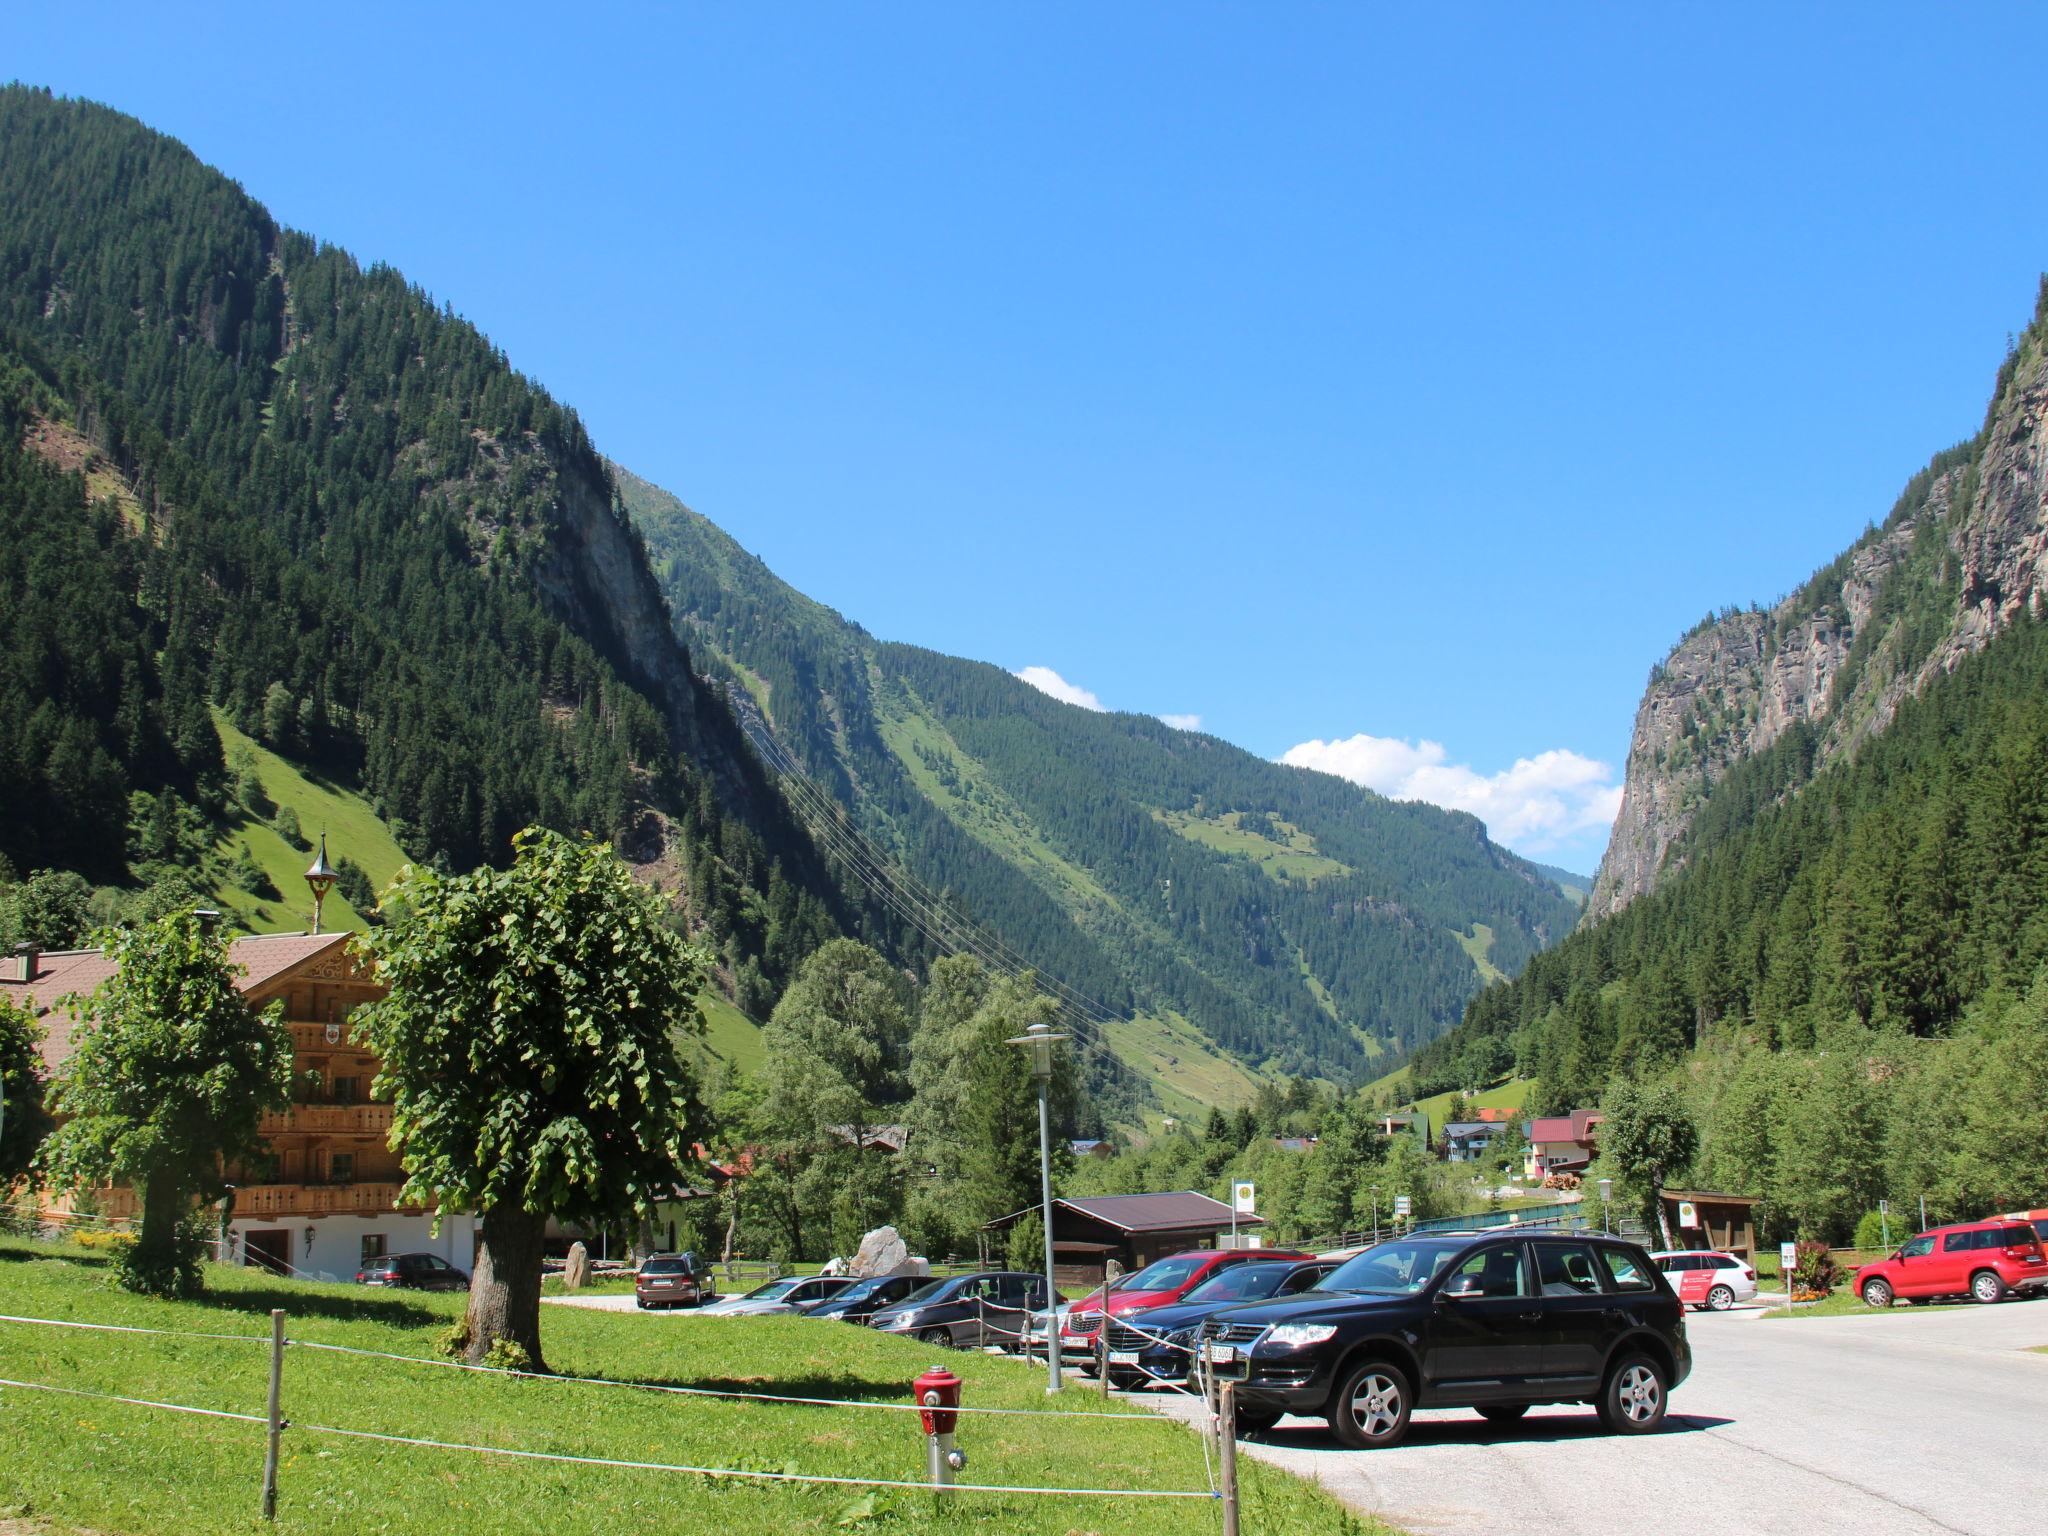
{"x": 1988, "y": 1260}
{"x": 1159, "y": 1284}
{"x": 413, "y": 1272}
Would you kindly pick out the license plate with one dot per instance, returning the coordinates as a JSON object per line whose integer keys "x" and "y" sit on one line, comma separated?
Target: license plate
{"x": 660, "y": 1285}
{"x": 1123, "y": 1357}
{"x": 1223, "y": 1354}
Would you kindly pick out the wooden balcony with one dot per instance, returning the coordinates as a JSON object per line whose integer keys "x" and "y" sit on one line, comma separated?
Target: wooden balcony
{"x": 330, "y": 1119}
{"x": 313, "y": 1037}
{"x": 284, "y": 1201}
{"x": 287, "y": 1200}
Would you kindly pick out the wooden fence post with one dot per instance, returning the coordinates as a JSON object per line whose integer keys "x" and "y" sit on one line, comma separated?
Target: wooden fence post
{"x": 1226, "y": 1431}
{"x": 276, "y": 1417}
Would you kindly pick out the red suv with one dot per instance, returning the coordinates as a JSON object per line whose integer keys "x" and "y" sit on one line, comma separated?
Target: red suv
{"x": 1158, "y": 1284}
{"x": 1983, "y": 1259}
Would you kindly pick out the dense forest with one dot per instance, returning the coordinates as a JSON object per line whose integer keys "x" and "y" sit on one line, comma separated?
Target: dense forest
{"x": 1298, "y": 921}
{"x": 335, "y": 513}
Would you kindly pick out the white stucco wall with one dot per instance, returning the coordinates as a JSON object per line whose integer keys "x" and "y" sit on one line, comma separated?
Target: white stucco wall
{"x": 336, "y": 1250}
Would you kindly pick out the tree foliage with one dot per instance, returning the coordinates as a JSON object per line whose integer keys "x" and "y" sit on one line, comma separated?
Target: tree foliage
{"x": 170, "y": 1073}
{"x": 529, "y": 1052}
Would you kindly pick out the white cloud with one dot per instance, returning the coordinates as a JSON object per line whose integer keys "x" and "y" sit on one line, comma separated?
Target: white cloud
{"x": 1183, "y": 722}
{"x": 1045, "y": 680}
{"x": 1539, "y": 804}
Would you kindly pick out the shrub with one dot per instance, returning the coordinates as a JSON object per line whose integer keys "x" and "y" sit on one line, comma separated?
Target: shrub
{"x": 1871, "y": 1231}
{"x": 454, "y": 1341}
{"x": 174, "y": 1275}
{"x": 1814, "y": 1271}
{"x": 508, "y": 1355}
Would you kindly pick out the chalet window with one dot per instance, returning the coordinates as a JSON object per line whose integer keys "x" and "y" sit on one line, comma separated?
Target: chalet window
{"x": 341, "y": 1167}
{"x": 373, "y": 1246}
{"x": 348, "y": 1090}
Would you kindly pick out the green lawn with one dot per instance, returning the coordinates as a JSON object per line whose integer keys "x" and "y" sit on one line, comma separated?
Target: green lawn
{"x": 1843, "y": 1303}
{"x": 1512, "y": 1094}
{"x": 729, "y": 1034}
{"x": 112, "y": 1468}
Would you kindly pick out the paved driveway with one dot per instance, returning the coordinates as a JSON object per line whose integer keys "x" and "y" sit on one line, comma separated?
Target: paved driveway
{"x": 1910, "y": 1422}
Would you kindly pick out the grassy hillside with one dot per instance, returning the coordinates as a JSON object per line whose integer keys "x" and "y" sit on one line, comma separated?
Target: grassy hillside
{"x": 1295, "y": 923}
{"x": 353, "y": 830}
{"x": 122, "y": 1470}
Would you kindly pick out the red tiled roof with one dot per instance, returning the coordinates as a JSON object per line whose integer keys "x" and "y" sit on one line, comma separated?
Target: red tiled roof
{"x": 1551, "y": 1128}
{"x": 263, "y": 957}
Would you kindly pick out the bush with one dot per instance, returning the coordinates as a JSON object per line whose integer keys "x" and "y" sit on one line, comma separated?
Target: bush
{"x": 508, "y": 1355}
{"x": 1871, "y": 1231}
{"x": 1814, "y": 1272}
{"x": 454, "y": 1341}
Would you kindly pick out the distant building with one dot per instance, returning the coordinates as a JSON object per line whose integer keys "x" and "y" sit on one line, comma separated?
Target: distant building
{"x": 1410, "y": 1122}
{"x": 873, "y": 1138}
{"x": 1296, "y": 1143}
{"x": 1092, "y": 1148}
{"x": 1562, "y": 1143}
{"x": 1466, "y": 1141}
{"x": 1132, "y": 1229}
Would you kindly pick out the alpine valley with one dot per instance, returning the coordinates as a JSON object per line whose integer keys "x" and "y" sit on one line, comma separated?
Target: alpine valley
{"x": 290, "y": 547}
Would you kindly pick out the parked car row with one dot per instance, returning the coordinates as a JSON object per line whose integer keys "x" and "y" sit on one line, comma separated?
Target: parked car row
{"x": 1496, "y": 1321}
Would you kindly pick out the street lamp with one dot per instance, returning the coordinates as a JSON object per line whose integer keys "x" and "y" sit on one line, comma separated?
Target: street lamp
{"x": 1038, "y": 1039}
{"x": 1606, "y": 1194}
{"x": 1375, "y": 1211}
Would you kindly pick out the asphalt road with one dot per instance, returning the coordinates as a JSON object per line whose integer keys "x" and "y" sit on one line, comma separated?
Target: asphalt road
{"x": 1908, "y": 1422}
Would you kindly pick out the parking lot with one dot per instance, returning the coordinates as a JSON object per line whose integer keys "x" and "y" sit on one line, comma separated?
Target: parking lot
{"x": 1908, "y": 1422}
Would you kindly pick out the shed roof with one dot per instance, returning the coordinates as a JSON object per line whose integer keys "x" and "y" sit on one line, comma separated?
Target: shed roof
{"x": 1175, "y": 1211}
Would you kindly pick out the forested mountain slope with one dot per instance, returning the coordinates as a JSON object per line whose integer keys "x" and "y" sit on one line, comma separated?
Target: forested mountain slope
{"x": 1279, "y": 917}
{"x": 1963, "y": 553}
{"x": 240, "y": 472}
{"x": 1852, "y": 801}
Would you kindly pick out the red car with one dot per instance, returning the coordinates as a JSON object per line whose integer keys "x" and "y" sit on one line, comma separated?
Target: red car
{"x": 1984, "y": 1259}
{"x": 1158, "y": 1284}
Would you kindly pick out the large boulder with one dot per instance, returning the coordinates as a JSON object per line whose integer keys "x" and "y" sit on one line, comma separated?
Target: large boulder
{"x": 576, "y": 1273}
{"x": 882, "y": 1252}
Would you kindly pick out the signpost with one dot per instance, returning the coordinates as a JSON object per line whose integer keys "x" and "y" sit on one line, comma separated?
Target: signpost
{"x": 1788, "y": 1260}
{"x": 1402, "y": 1206}
{"x": 1242, "y": 1196}
{"x": 1884, "y": 1222}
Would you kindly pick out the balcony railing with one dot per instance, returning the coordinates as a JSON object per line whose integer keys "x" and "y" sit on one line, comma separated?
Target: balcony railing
{"x": 366, "y": 1199}
{"x": 355, "y": 1119}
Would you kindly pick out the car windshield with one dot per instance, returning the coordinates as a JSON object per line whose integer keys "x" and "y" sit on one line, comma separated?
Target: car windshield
{"x": 1241, "y": 1282}
{"x": 664, "y": 1267}
{"x": 774, "y": 1290}
{"x": 861, "y": 1290}
{"x": 1392, "y": 1269}
{"x": 926, "y": 1293}
{"x": 1164, "y": 1275}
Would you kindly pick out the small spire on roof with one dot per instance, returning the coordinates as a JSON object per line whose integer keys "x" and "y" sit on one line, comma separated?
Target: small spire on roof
{"x": 320, "y": 877}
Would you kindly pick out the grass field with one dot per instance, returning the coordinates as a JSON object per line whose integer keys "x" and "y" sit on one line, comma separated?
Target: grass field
{"x": 353, "y": 832}
{"x": 729, "y": 1034}
{"x": 1479, "y": 945}
{"x": 121, "y": 1470}
{"x": 1512, "y": 1094}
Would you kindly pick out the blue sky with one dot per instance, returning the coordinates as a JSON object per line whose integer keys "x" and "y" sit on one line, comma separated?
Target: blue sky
{"x": 1406, "y": 381}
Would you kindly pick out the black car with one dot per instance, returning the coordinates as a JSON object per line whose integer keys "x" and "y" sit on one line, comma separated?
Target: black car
{"x": 413, "y": 1271}
{"x": 860, "y": 1301}
{"x": 1496, "y": 1322}
{"x": 967, "y": 1309}
{"x": 1157, "y": 1345}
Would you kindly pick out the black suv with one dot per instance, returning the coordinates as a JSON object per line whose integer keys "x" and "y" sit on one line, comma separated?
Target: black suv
{"x": 1498, "y": 1322}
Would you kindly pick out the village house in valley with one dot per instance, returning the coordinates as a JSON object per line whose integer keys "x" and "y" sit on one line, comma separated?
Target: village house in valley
{"x": 320, "y": 1198}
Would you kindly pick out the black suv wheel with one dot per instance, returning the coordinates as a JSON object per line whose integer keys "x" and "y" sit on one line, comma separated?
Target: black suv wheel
{"x": 1634, "y": 1399}
{"x": 1371, "y": 1406}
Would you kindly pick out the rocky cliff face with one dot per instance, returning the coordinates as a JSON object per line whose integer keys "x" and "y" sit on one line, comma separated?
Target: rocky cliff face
{"x": 1963, "y": 553}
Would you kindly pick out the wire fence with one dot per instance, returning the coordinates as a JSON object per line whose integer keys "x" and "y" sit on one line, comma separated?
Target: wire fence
{"x": 276, "y": 1423}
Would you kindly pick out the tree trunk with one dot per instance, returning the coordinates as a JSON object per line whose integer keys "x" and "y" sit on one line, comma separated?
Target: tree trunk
{"x": 504, "y": 1292}
{"x": 643, "y": 1240}
{"x": 156, "y": 1245}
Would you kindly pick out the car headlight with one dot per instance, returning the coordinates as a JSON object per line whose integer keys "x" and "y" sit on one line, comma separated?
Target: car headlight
{"x": 1299, "y": 1335}
{"x": 1182, "y": 1336}
{"x": 903, "y": 1319}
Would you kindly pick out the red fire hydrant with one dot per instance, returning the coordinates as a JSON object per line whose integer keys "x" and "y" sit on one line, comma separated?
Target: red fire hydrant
{"x": 937, "y": 1392}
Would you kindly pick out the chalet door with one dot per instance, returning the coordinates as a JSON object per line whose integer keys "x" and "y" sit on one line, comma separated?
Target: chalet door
{"x": 270, "y": 1249}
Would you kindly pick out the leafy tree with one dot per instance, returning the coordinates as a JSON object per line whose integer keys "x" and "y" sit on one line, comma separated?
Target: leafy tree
{"x": 170, "y": 1073}
{"x": 1647, "y": 1137}
{"x": 50, "y": 910}
{"x": 529, "y": 1050}
{"x": 21, "y": 1085}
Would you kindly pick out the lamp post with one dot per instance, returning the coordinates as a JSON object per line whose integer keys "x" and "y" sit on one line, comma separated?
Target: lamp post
{"x": 1038, "y": 1039}
{"x": 1375, "y": 1211}
{"x": 320, "y": 878}
{"x": 1606, "y": 1194}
